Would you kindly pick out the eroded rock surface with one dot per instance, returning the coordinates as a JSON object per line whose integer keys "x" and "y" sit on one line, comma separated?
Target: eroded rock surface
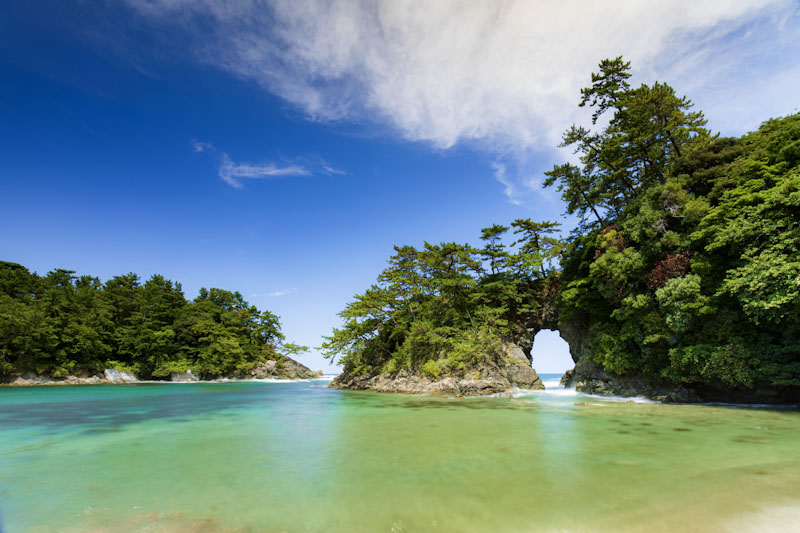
{"x": 119, "y": 376}
{"x": 288, "y": 368}
{"x": 589, "y": 377}
{"x": 183, "y": 377}
{"x": 512, "y": 370}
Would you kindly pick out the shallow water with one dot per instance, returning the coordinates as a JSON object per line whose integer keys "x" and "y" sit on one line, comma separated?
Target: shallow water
{"x": 301, "y": 457}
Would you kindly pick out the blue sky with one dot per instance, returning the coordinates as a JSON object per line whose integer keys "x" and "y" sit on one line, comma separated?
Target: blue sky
{"x": 282, "y": 148}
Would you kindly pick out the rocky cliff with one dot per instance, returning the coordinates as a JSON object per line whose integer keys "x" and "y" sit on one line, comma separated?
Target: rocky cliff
{"x": 510, "y": 369}
{"x": 287, "y": 368}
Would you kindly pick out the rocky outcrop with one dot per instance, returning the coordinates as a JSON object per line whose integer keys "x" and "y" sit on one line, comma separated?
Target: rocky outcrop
{"x": 183, "y": 377}
{"x": 29, "y": 378}
{"x": 287, "y": 368}
{"x": 264, "y": 370}
{"x": 589, "y": 377}
{"x": 510, "y": 370}
{"x": 113, "y": 375}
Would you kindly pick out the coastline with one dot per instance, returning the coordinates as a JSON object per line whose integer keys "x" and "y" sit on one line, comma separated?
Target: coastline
{"x": 269, "y": 371}
{"x": 72, "y": 380}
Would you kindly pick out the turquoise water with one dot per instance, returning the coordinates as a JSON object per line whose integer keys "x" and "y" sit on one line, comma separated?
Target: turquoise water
{"x": 301, "y": 457}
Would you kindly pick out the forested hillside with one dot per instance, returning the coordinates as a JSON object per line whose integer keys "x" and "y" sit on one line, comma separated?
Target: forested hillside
{"x": 684, "y": 268}
{"x": 61, "y": 324}
{"x": 687, "y": 264}
{"x": 445, "y": 309}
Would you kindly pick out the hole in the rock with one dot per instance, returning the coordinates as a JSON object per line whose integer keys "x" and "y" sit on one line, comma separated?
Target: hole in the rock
{"x": 550, "y": 356}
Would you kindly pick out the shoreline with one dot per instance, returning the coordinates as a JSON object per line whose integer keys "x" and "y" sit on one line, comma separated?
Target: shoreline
{"x": 52, "y": 382}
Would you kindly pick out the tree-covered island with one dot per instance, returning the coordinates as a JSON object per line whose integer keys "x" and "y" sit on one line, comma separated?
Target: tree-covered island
{"x": 681, "y": 281}
{"x": 66, "y": 328}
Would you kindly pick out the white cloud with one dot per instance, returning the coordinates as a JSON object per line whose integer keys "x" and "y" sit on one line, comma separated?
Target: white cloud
{"x": 273, "y": 294}
{"x": 502, "y": 75}
{"x": 233, "y": 173}
{"x": 279, "y": 293}
{"x": 509, "y": 189}
{"x": 201, "y": 146}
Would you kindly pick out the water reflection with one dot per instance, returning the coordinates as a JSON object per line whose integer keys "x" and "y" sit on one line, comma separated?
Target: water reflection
{"x": 299, "y": 457}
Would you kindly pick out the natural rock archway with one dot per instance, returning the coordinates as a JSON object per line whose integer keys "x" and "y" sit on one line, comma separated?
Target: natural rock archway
{"x": 572, "y": 329}
{"x": 588, "y": 376}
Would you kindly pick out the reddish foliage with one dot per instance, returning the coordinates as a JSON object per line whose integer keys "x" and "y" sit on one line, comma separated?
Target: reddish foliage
{"x": 619, "y": 241}
{"x": 605, "y": 230}
{"x": 672, "y": 266}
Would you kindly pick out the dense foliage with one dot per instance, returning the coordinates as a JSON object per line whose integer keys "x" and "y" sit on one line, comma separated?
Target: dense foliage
{"x": 61, "y": 324}
{"x": 445, "y": 308}
{"x": 687, "y": 262}
{"x": 684, "y": 267}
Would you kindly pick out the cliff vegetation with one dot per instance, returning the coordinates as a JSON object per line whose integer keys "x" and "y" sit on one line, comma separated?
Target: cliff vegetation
{"x": 684, "y": 268}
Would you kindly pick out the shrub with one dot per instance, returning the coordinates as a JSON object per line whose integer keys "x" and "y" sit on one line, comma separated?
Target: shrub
{"x": 431, "y": 369}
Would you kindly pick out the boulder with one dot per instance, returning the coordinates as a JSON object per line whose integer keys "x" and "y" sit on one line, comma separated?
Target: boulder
{"x": 515, "y": 353}
{"x": 591, "y": 378}
{"x": 28, "y": 378}
{"x": 291, "y": 369}
{"x": 524, "y": 377}
{"x": 183, "y": 377}
{"x": 113, "y": 375}
{"x": 264, "y": 370}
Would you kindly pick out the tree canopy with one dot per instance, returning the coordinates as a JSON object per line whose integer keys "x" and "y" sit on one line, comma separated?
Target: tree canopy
{"x": 685, "y": 266}
{"x": 61, "y": 323}
{"x": 446, "y": 307}
{"x": 688, "y": 260}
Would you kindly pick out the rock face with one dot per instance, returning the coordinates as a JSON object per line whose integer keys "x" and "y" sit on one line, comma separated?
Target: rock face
{"x": 119, "y": 376}
{"x": 511, "y": 370}
{"x": 589, "y": 377}
{"x": 264, "y": 370}
{"x": 29, "y": 378}
{"x": 288, "y": 368}
{"x": 183, "y": 377}
{"x": 291, "y": 369}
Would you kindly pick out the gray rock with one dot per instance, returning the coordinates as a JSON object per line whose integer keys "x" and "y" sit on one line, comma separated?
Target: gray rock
{"x": 119, "y": 376}
{"x": 512, "y": 369}
{"x": 183, "y": 377}
{"x": 291, "y": 369}
{"x": 589, "y": 377}
{"x": 515, "y": 353}
{"x": 524, "y": 377}
{"x": 264, "y": 370}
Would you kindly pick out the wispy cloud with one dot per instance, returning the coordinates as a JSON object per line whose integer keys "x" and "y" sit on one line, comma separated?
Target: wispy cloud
{"x": 502, "y": 75}
{"x": 201, "y": 146}
{"x": 510, "y": 190}
{"x": 273, "y": 294}
{"x": 519, "y": 184}
{"x": 234, "y": 173}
